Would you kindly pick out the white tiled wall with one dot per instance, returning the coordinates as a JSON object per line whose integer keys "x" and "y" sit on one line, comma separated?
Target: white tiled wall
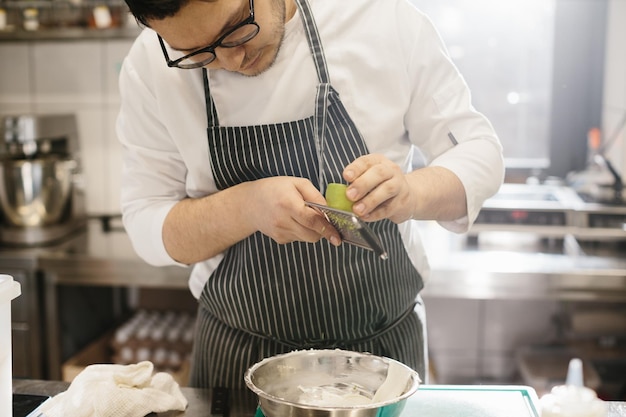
{"x": 453, "y": 338}
{"x": 15, "y": 86}
{"x": 78, "y": 77}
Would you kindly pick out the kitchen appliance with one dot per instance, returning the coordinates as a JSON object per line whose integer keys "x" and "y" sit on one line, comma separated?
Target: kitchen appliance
{"x": 600, "y": 182}
{"x": 41, "y": 195}
{"x": 551, "y": 211}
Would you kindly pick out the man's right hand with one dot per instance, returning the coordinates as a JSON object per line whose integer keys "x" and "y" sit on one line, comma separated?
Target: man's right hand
{"x": 201, "y": 228}
{"x": 279, "y": 211}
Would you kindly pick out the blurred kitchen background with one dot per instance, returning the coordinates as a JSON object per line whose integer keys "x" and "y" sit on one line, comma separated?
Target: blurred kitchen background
{"x": 539, "y": 279}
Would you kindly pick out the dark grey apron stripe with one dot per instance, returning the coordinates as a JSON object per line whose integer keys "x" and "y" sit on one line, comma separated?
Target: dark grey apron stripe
{"x": 326, "y": 284}
{"x": 232, "y": 350}
{"x": 258, "y": 138}
{"x": 225, "y": 343}
{"x": 324, "y": 343}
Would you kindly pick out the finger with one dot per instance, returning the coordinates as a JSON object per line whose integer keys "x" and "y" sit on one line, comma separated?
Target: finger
{"x": 373, "y": 205}
{"x": 379, "y": 212}
{"x": 360, "y": 165}
{"x": 295, "y": 232}
{"x": 309, "y": 192}
{"x": 316, "y": 221}
{"x": 371, "y": 189}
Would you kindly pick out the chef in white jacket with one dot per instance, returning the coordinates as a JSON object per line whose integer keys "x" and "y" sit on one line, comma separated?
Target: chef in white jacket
{"x": 236, "y": 112}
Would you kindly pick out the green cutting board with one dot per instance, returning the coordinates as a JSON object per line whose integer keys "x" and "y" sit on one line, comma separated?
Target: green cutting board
{"x": 472, "y": 401}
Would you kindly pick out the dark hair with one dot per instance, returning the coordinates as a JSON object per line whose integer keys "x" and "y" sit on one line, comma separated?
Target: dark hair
{"x": 144, "y": 10}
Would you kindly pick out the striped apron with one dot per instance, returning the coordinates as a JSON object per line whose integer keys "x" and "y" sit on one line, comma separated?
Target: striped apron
{"x": 267, "y": 298}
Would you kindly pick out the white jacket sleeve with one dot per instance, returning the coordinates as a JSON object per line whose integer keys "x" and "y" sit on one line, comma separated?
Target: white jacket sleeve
{"x": 153, "y": 171}
{"x": 444, "y": 125}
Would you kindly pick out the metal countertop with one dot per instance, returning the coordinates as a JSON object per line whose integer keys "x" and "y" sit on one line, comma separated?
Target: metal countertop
{"x": 99, "y": 255}
{"x": 523, "y": 266}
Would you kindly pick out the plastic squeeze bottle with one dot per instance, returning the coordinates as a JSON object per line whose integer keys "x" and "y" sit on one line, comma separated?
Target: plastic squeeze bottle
{"x": 573, "y": 399}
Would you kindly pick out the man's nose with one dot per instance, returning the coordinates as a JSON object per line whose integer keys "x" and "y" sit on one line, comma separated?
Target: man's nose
{"x": 230, "y": 59}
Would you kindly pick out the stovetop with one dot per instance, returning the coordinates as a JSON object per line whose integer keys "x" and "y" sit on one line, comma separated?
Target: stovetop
{"x": 553, "y": 211}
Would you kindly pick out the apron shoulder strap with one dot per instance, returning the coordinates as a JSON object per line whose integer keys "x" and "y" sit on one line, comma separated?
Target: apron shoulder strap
{"x": 313, "y": 37}
{"x": 211, "y": 111}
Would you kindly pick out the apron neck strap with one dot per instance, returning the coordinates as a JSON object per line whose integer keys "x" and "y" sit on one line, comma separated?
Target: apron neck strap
{"x": 313, "y": 38}
{"x": 211, "y": 111}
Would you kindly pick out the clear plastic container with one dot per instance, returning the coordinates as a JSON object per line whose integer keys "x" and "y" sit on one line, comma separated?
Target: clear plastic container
{"x": 573, "y": 399}
{"x": 9, "y": 290}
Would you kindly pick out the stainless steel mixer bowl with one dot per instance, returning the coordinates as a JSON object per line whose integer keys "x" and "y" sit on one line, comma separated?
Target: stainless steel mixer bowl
{"x": 280, "y": 381}
{"x": 35, "y": 192}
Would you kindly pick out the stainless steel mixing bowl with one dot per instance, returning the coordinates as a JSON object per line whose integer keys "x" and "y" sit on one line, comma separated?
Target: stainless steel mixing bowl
{"x": 329, "y": 383}
{"x": 35, "y": 192}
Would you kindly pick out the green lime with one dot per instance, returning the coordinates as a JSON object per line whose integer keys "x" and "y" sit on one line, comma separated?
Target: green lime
{"x": 336, "y": 197}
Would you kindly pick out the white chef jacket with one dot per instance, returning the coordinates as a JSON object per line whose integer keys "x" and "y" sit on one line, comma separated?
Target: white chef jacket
{"x": 393, "y": 75}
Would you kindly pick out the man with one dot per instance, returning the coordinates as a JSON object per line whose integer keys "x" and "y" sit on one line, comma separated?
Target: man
{"x": 225, "y": 143}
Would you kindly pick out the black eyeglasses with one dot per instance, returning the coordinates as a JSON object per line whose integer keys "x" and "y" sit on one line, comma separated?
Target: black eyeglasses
{"x": 240, "y": 34}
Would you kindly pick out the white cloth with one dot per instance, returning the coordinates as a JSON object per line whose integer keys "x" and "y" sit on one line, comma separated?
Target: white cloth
{"x": 117, "y": 391}
{"x": 393, "y": 75}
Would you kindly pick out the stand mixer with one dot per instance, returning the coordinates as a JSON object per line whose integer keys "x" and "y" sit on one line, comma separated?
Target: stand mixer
{"x": 41, "y": 195}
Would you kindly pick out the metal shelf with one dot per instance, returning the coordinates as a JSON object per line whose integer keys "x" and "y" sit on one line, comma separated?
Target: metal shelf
{"x": 66, "y": 20}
